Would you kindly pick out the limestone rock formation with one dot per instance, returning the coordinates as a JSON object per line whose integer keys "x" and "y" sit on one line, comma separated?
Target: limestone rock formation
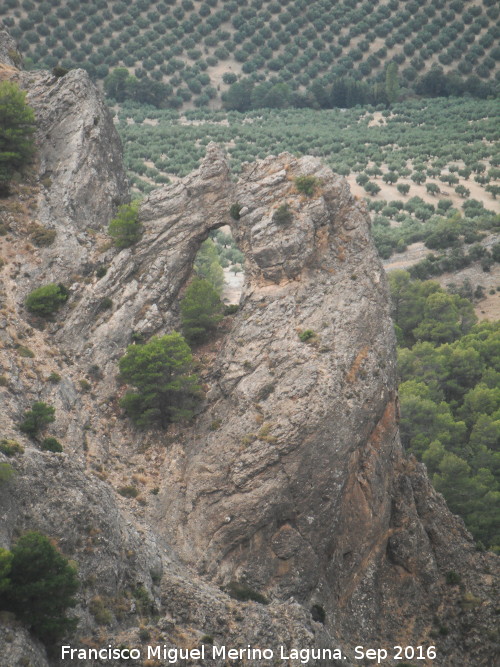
{"x": 289, "y": 404}
{"x": 77, "y": 145}
{"x": 9, "y": 55}
{"x": 293, "y": 478}
{"x": 144, "y": 281}
{"x": 290, "y": 481}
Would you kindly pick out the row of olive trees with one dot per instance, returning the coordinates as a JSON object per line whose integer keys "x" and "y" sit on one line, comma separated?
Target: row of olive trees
{"x": 296, "y": 45}
{"x": 349, "y": 141}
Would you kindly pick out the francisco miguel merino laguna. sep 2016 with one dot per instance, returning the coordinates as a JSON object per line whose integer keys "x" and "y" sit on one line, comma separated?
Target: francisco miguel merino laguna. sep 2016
{"x": 173, "y": 655}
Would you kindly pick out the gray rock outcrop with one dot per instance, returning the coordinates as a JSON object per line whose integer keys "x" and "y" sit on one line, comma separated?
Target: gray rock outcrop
{"x": 9, "y": 55}
{"x": 77, "y": 144}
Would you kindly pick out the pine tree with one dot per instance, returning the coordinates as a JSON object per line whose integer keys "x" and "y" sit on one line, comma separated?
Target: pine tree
{"x": 37, "y": 418}
{"x": 45, "y": 300}
{"x": 17, "y": 125}
{"x": 207, "y": 265}
{"x": 201, "y": 311}
{"x": 5, "y": 566}
{"x": 125, "y": 228}
{"x": 162, "y": 372}
{"x": 41, "y": 588}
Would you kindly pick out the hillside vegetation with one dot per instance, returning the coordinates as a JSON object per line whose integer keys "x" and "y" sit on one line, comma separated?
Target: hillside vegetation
{"x": 445, "y": 142}
{"x": 450, "y": 398}
{"x": 317, "y": 52}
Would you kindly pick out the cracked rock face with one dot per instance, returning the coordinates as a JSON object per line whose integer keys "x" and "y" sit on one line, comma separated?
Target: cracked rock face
{"x": 79, "y": 169}
{"x": 9, "y": 55}
{"x": 144, "y": 281}
{"x": 297, "y": 472}
{"x": 78, "y": 144}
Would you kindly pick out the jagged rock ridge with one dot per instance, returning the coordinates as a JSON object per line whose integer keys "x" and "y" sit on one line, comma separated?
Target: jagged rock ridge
{"x": 291, "y": 478}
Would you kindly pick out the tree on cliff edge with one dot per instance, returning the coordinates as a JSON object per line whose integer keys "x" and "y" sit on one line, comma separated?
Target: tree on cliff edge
{"x": 17, "y": 125}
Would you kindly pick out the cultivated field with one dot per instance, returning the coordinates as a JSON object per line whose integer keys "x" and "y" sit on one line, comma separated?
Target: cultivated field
{"x": 189, "y": 45}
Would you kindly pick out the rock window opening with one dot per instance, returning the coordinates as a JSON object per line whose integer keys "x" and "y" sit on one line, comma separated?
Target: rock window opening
{"x": 221, "y": 263}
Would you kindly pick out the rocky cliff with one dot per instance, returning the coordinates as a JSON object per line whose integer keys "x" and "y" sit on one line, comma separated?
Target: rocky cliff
{"x": 290, "y": 480}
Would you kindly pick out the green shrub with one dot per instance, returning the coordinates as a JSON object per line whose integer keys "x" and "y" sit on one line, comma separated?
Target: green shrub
{"x": 47, "y": 299}
{"x": 95, "y": 372}
{"x": 4, "y": 381}
{"x": 42, "y": 236}
{"x": 105, "y": 304}
{"x": 10, "y": 447}
{"x": 138, "y": 337}
{"x": 41, "y": 588}
{"x": 59, "y": 71}
{"x": 306, "y": 184}
{"x": 156, "y": 573}
{"x": 244, "y": 593}
{"x": 17, "y": 125}
{"x": 453, "y": 578}
{"x": 234, "y": 211}
{"x": 24, "y": 351}
{"x": 161, "y": 370}
{"x": 306, "y": 335}
{"x": 51, "y": 445}
{"x": 101, "y": 271}
{"x": 201, "y": 310}
{"x": 99, "y": 611}
{"x": 7, "y": 472}
{"x": 142, "y": 599}
{"x": 84, "y": 385}
{"x": 54, "y": 378}
{"x": 282, "y": 215}
{"x": 231, "y": 309}
{"x": 37, "y": 418}
{"x": 129, "y": 491}
{"x": 469, "y": 601}
{"x": 125, "y": 228}
{"x": 265, "y": 391}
